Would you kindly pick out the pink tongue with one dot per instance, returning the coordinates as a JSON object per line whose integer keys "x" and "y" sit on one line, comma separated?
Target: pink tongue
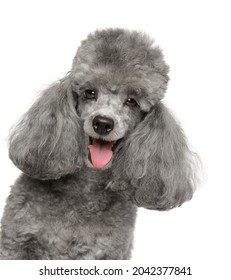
{"x": 101, "y": 153}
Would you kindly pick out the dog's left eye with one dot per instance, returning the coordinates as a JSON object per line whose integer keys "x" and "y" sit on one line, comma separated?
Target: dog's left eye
{"x": 131, "y": 102}
{"x": 90, "y": 94}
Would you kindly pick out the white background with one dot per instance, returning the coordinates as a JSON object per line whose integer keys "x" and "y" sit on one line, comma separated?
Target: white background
{"x": 38, "y": 42}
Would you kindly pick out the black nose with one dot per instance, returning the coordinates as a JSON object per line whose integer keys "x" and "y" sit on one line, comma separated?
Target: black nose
{"x": 103, "y": 125}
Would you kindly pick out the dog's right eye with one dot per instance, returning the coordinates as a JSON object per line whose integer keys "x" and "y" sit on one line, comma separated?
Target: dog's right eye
{"x": 90, "y": 94}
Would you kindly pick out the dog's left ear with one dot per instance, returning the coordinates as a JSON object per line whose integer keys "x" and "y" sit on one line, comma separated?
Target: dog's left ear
{"x": 157, "y": 162}
{"x": 47, "y": 142}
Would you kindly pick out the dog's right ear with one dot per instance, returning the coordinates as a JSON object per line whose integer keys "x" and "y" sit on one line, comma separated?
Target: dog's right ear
{"x": 47, "y": 142}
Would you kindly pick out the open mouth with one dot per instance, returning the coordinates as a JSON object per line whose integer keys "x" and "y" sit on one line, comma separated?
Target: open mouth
{"x": 101, "y": 152}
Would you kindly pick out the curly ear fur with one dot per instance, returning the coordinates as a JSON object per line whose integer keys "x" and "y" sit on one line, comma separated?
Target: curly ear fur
{"x": 46, "y": 144}
{"x": 157, "y": 162}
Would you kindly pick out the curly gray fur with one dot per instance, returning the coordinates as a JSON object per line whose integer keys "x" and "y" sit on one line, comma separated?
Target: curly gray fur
{"x": 63, "y": 208}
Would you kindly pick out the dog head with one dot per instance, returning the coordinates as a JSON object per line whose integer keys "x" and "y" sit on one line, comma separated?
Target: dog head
{"x": 117, "y": 77}
{"x": 107, "y": 113}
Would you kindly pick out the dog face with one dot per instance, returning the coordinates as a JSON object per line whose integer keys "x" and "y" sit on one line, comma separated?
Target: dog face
{"x": 109, "y": 112}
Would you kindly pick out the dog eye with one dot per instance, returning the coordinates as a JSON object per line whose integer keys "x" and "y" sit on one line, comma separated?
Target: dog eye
{"x": 131, "y": 102}
{"x": 90, "y": 94}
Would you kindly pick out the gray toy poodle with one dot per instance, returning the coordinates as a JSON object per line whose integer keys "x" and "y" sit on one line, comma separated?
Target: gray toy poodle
{"x": 95, "y": 145}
